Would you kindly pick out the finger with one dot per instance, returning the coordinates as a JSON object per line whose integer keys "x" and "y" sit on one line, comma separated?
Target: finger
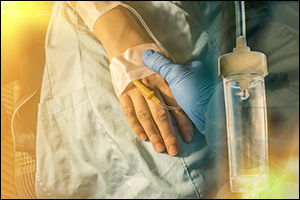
{"x": 129, "y": 112}
{"x": 163, "y": 121}
{"x": 145, "y": 119}
{"x": 184, "y": 123}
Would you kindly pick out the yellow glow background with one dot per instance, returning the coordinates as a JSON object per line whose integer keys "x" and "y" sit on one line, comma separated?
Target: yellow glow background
{"x": 21, "y": 22}
{"x": 23, "y": 28}
{"x": 27, "y": 21}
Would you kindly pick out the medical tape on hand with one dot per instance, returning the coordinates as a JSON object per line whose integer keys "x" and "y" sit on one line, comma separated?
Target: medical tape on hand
{"x": 129, "y": 65}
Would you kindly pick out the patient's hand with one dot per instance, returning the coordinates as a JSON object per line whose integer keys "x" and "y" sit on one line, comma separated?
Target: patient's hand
{"x": 118, "y": 31}
{"x": 149, "y": 120}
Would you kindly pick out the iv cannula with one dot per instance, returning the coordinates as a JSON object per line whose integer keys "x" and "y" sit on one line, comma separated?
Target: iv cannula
{"x": 150, "y": 95}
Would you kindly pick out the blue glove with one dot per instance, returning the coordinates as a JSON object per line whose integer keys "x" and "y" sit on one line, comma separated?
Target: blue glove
{"x": 192, "y": 85}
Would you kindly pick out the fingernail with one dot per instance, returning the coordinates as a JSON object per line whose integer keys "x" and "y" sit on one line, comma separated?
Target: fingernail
{"x": 143, "y": 136}
{"x": 188, "y": 137}
{"x": 159, "y": 147}
{"x": 173, "y": 150}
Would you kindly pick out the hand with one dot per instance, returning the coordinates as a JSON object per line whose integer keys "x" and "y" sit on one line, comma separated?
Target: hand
{"x": 145, "y": 118}
{"x": 192, "y": 84}
{"x": 149, "y": 120}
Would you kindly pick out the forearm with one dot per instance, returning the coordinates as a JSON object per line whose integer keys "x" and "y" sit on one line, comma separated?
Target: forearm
{"x": 118, "y": 31}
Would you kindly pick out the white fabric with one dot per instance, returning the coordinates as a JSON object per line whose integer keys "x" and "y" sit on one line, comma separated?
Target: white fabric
{"x": 129, "y": 66}
{"x": 90, "y": 11}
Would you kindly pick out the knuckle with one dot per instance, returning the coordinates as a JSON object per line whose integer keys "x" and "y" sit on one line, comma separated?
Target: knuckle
{"x": 143, "y": 115}
{"x": 129, "y": 112}
{"x": 170, "y": 139}
{"x": 162, "y": 115}
{"x": 154, "y": 138}
{"x": 146, "y": 81}
{"x": 178, "y": 112}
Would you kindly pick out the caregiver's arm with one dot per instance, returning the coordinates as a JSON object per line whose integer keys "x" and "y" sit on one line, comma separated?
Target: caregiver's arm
{"x": 118, "y": 31}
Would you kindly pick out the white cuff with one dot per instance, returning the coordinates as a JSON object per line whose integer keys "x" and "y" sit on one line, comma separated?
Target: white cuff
{"x": 129, "y": 66}
{"x": 90, "y": 11}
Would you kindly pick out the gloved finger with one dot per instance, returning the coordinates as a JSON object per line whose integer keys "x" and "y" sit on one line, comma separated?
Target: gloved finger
{"x": 163, "y": 122}
{"x": 145, "y": 118}
{"x": 160, "y": 64}
{"x": 129, "y": 112}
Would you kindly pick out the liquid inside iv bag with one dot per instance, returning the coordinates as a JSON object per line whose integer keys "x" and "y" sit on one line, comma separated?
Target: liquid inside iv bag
{"x": 249, "y": 183}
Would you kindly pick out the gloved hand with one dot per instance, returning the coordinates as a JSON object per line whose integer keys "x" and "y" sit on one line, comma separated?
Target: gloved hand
{"x": 192, "y": 85}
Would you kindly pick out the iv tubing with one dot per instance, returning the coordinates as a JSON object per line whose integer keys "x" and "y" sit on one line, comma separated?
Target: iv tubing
{"x": 240, "y": 19}
{"x": 241, "y": 44}
{"x": 150, "y": 95}
{"x": 146, "y": 27}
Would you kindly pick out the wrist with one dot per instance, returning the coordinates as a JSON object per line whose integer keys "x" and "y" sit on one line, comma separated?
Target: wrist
{"x": 122, "y": 44}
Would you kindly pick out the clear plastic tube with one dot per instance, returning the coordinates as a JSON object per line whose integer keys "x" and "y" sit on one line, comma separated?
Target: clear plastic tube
{"x": 247, "y": 133}
{"x": 169, "y": 107}
{"x": 147, "y": 29}
{"x": 240, "y": 19}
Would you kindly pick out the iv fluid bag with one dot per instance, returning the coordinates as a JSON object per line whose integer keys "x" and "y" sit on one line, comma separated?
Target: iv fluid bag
{"x": 247, "y": 132}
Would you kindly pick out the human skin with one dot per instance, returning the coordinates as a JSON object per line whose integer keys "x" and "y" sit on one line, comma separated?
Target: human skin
{"x": 118, "y": 31}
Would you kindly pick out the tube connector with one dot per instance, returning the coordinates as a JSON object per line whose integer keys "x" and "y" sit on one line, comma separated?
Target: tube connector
{"x": 242, "y": 60}
{"x": 241, "y": 45}
{"x": 150, "y": 95}
{"x": 146, "y": 92}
